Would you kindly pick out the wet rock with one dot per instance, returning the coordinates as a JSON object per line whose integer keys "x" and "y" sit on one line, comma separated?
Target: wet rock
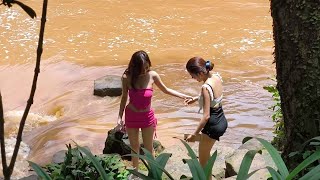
{"x": 59, "y": 156}
{"x": 31, "y": 177}
{"x": 118, "y": 142}
{"x": 109, "y": 85}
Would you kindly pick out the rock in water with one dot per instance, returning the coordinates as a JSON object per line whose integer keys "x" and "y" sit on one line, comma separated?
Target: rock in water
{"x": 109, "y": 85}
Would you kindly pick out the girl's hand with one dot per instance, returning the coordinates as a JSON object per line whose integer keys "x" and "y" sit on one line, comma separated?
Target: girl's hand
{"x": 191, "y": 138}
{"x": 120, "y": 125}
{"x": 190, "y": 100}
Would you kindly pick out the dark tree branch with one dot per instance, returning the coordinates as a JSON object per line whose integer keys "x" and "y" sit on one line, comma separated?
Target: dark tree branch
{"x": 26, "y": 8}
{"x": 33, "y": 89}
{"x": 3, "y": 150}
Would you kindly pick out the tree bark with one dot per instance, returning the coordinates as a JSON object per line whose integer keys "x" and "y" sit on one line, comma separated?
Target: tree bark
{"x": 296, "y": 31}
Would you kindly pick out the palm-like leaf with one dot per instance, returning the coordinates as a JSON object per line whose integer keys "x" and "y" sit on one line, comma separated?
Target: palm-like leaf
{"x": 315, "y": 156}
{"x": 140, "y": 175}
{"x": 196, "y": 169}
{"x": 246, "y": 163}
{"x": 312, "y": 175}
{"x": 274, "y": 174}
{"x": 209, "y": 165}
{"x": 95, "y": 162}
{"x": 274, "y": 155}
{"x": 153, "y": 162}
{"x": 40, "y": 172}
{"x": 190, "y": 151}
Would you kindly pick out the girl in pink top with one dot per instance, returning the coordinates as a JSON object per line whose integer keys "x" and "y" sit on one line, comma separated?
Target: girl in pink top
{"x": 137, "y": 82}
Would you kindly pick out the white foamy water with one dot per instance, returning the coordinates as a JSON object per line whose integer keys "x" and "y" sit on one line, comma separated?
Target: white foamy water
{"x": 12, "y": 121}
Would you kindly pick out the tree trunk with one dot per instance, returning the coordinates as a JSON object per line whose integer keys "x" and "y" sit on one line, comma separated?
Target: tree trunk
{"x": 296, "y": 28}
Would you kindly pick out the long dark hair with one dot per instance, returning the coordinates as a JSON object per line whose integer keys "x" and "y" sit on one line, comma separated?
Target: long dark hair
{"x": 196, "y": 65}
{"x": 136, "y": 65}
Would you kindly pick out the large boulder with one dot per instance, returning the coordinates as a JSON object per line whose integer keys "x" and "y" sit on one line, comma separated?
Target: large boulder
{"x": 118, "y": 142}
{"x": 109, "y": 85}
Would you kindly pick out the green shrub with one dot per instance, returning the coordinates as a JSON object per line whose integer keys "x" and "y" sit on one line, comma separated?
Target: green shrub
{"x": 277, "y": 117}
{"x": 79, "y": 164}
{"x": 282, "y": 173}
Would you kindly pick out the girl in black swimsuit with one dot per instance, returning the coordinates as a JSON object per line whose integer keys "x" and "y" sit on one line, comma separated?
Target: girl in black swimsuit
{"x": 213, "y": 123}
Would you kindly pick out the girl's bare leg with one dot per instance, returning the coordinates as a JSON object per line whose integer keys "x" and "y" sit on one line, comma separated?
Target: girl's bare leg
{"x": 147, "y": 136}
{"x": 205, "y": 146}
{"x": 133, "y": 134}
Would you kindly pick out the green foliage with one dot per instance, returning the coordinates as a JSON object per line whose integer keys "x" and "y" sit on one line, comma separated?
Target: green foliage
{"x": 283, "y": 173}
{"x": 79, "y": 163}
{"x": 155, "y": 166}
{"x": 277, "y": 117}
{"x": 198, "y": 172}
{"x": 41, "y": 173}
{"x": 307, "y": 149}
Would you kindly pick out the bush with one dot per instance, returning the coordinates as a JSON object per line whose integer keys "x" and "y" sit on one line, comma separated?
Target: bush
{"x": 80, "y": 164}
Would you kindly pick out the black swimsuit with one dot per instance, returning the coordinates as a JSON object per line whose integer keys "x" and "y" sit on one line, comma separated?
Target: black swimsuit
{"x": 217, "y": 123}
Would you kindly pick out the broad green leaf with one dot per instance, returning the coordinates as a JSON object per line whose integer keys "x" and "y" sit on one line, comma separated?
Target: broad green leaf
{"x": 315, "y": 156}
{"x": 307, "y": 142}
{"x": 276, "y": 157}
{"x": 143, "y": 161}
{"x": 209, "y": 165}
{"x": 95, "y": 162}
{"x": 140, "y": 175}
{"x": 162, "y": 160}
{"x": 153, "y": 170}
{"x": 151, "y": 161}
{"x": 274, "y": 174}
{"x": 245, "y": 164}
{"x": 196, "y": 169}
{"x": 40, "y": 172}
{"x": 252, "y": 173}
{"x": 244, "y": 140}
{"x": 312, "y": 175}
{"x": 190, "y": 151}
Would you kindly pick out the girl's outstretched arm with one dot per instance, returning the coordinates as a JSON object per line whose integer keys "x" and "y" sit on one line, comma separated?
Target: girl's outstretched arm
{"x": 157, "y": 80}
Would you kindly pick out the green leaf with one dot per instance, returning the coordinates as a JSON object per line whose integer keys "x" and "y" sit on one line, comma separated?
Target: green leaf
{"x": 274, "y": 174}
{"x": 209, "y": 165}
{"x": 151, "y": 161}
{"x": 196, "y": 169}
{"x": 245, "y": 164}
{"x": 250, "y": 174}
{"x": 312, "y": 175}
{"x": 276, "y": 157}
{"x": 140, "y": 175}
{"x": 95, "y": 162}
{"x": 315, "y": 156}
{"x": 190, "y": 151}
{"x": 162, "y": 160}
{"x": 40, "y": 172}
{"x": 153, "y": 170}
{"x": 307, "y": 142}
{"x": 143, "y": 161}
{"x": 246, "y": 139}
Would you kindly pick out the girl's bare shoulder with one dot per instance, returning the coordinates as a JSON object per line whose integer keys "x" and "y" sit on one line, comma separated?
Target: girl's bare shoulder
{"x": 153, "y": 73}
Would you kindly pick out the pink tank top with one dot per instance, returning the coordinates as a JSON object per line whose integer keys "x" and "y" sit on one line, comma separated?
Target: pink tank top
{"x": 141, "y": 98}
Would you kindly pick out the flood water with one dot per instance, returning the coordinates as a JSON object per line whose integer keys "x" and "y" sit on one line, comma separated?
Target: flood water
{"x": 85, "y": 40}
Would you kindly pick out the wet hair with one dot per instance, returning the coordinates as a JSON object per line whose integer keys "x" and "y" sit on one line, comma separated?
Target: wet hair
{"x": 197, "y": 64}
{"x": 136, "y": 66}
